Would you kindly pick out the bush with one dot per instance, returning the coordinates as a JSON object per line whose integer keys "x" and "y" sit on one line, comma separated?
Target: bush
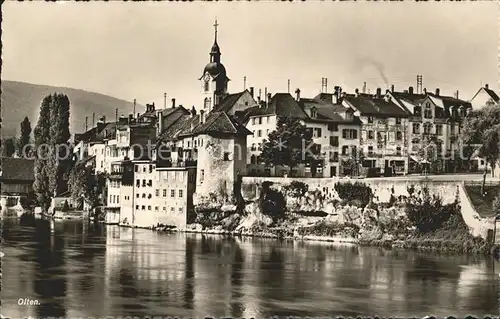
{"x": 274, "y": 204}
{"x": 354, "y": 191}
{"x": 296, "y": 189}
{"x": 427, "y": 213}
{"x": 65, "y": 206}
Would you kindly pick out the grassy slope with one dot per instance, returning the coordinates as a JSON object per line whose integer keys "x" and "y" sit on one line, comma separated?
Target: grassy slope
{"x": 21, "y": 99}
{"x": 483, "y": 205}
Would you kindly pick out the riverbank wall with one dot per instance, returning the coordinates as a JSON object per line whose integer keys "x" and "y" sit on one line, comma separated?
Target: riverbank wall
{"x": 383, "y": 189}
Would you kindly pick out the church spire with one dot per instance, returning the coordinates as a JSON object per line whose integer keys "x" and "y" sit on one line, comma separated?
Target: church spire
{"x": 215, "y": 52}
{"x": 215, "y": 26}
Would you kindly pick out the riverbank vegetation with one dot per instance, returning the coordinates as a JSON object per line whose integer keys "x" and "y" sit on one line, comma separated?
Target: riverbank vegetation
{"x": 417, "y": 221}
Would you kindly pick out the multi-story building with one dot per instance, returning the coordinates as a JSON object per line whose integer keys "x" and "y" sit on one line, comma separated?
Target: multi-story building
{"x": 383, "y": 131}
{"x": 435, "y": 127}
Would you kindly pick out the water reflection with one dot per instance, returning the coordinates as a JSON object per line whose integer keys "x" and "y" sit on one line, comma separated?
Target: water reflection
{"x": 79, "y": 269}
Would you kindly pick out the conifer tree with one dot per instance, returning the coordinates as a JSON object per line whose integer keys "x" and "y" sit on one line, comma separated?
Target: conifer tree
{"x": 24, "y": 140}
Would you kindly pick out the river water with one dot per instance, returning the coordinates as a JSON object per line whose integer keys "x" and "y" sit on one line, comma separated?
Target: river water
{"x": 77, "y": 270}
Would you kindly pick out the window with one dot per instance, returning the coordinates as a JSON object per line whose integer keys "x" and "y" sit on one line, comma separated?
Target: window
{"x": 150, "y": 183}
{"x": 313, "y": 112}
{"x": 345, "y": 150}
{"x": 371, "y": 135}
{"x": 439, "y": 129}
{"x": 267, "y": 119}
{"x": 117, "y": 199}
{"x": 427, "y": 128}
{"x": 253, "y": 121}
{"x": 149, "y": 207}
{"x": 370, "y": 119}
{"x": 143, "y": 183}
{"x": 349, "y": 134}
{"x": 180, "y": 193}
{"x": 259, "y": 133}
{"x": 334, "y": 141}
{"x": 156, "y": 208}
{"x": 202, "y": 176}
{"x": 416, "y": 128}
{"x": 317, "y": 132}
{"x": 206, "y": 87}
{"x": 136, "y": 168}
{"x": 333, "y": 127}
{"x": 164, "y": 208}
{"x": 427, "y": 111}
{"x": 144, "y": 169}
{"x": 180, "y": 210}
{"x": 260, "y": 120}
{"x": 267, "y": 132}
{"x": 150, "y": 168}
{"x": 334, "y": 157}
{"x": 137, "y": 207}
{"x": 172, "y": 193}
{"x": 143, "y": 207}
{"x": 172, "y": 209}
{"x": 399, "y": 135}
{"x": 137, "y": 195}
{"x": 144, "y": 195}
{"x": 157, "y": 192}
{"x": 398, "y": 120}
{"x": 226, "y": 156}
{"x": 370, "y": 150}
{"x": 164, "y": 193}
{"x": 398, "y": 151}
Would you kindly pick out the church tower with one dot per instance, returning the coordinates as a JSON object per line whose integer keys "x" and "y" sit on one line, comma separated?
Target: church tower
{"x": 214, "y": 79}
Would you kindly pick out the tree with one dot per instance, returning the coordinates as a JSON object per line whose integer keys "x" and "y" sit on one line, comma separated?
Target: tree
{"x": 86, "y": 185}
{"x": 51, "y": 132}
{"x": 482, "y": 128}
{"x": 289, "y": 145}
{"x": 354, "y": 162}
{"x": 8, "y": 147}
{"x": 23, "y": 148}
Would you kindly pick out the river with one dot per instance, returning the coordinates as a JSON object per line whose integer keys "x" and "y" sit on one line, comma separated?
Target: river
{"x": 77, "y": 269}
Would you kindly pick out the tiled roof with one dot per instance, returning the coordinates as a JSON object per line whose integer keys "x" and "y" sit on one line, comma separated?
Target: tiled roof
{"x": 215, "y": 123}
{"x": 228, "y": 102}
{"x": 412, "y": 98}
{"x": 108, "y": 132}
{"x": 327, "y": 111}
{"x": 375, "y": 106}
{"x": 447, "y": 101}
{"x": 18, "y": 169}
{"x": 493, "y": 95}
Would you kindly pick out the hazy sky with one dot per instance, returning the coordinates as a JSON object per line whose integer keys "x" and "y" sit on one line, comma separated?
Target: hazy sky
{"x": 141, "y": 50}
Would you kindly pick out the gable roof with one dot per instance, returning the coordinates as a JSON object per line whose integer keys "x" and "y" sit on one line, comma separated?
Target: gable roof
{"x": 228, "y": 102}
{"x": 215, "y": 123}
{"x": 327, "y": 111}
{"x": 17, "y": 169}
{"x": 446, "y": 102}
{"x": 375, "y": 106}
{"x": 488, "y": 91}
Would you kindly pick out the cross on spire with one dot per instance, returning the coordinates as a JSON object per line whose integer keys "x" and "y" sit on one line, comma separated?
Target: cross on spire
{"x": 215, "y": 26}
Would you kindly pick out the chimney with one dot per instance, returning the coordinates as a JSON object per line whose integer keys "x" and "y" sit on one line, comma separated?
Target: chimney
{"x": 173, "y": 103}
{"x": 392, "y": 88}
{"x": 410, "y": 90}
{"x": 134, "y": 106}
{"x": 486, "y": 86}
{"x": 116, "y": 115}
{"x": 202, "y": 116}
{"x": 456, "y": 94}
{"x": 160, "y": 121}
{"x": 297, "y": 94}
{"x": 164, "y": 100}
{"x": 138, "y": 114}
{"x": 153, "y": 106}
{"x": 258, "y": 100}
{"x": 130, "y": 117}
{"x": 379, "y": 92}
{"x": 101, "y": 123}
{"x": 425, "y": 90}
{"x": 356, "y": 92}
{"x": 260, "y": 93}
{"x": 251, "y": 91}
{"x": 437, "y": 92}
{"x": 93, "y": 119}
{"x": 268, "y": 99}
{"x": 336, "y": 94}
{"x": 265, "y": 94}
{"x": 86, "y": 123}
{"x": 193, "y": 111}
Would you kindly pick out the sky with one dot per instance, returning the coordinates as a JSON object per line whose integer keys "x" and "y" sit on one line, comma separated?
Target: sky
{"x": 143, "y": 50}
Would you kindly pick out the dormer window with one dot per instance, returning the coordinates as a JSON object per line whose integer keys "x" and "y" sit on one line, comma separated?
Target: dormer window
{"x": 313, "y": 113}
{"x": 370, "y": 119}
